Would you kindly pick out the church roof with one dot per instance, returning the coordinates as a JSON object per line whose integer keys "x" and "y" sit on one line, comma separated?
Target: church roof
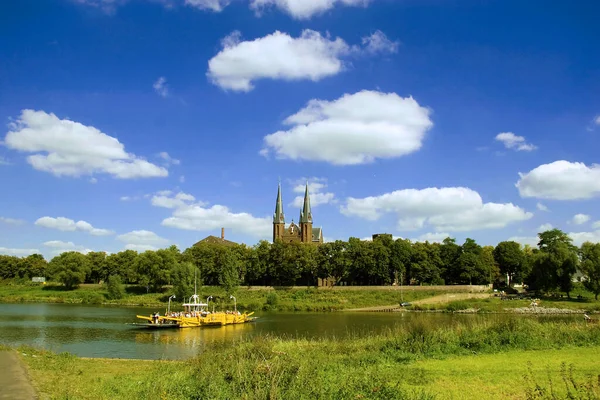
{"x": 316, "y": 234}
{"x": 216, "y": 240}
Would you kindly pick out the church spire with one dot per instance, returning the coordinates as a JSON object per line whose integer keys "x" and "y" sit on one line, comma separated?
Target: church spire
{"x": 278, "y": 217}
{"x": 306, "y": 214}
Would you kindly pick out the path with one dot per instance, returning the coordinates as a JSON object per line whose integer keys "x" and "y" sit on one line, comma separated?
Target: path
{"x": 442, "y": 298}
{"x": 14, "y": 381}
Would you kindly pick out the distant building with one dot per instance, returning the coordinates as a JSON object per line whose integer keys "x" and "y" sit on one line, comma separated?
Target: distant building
{"x": 215, "y": 240}
{"x": 305, "y": 233}
{"x": 382, "y": 235}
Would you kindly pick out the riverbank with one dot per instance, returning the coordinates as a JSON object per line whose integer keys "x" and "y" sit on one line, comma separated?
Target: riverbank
{"x": 482, "y": 360}
{"x": 251, "y": 299}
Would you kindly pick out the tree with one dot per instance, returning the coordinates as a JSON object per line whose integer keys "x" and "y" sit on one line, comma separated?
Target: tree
{"x": 98, "y": 270}
{"x": 590, "y": 267}
{"x": 150, "y": 271}
{"x": 449, "y": 254}
{"x": 115, "y": 288}
{"x": 510, "y": 259}
{"x": 227, "y": 264}
{"x": 33, "y": 265}
{"x": 258, "y": 263}
{"x": 555, "y": 264}
{"x": 470, "y": 263}
{"x": 70, "y": 268}
{"x": 182, "y": 277}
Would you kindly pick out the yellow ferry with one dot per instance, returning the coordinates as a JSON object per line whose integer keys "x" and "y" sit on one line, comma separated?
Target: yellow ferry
{"x": 195, "y": 314}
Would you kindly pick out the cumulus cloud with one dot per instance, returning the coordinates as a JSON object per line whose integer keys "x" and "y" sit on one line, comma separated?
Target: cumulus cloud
{"x": 514, "y": 142}
{"x": 542, "y": 207}
{"x": 432, "y": 237}
{"x": 450, "y": 209}
{"x": 354, "y": 129}
{"x": 596, "y": 225}
{"x": 18, "y": 252}
{"x": 311, "y": 56}
{"x": 168, "y": 159}
{"x": 378, "y": 42}
{"x": 304, "y": 9}
{"x": 161, "y": 87}
{"x": 142, "y": 240}
{"x": 276, "y": 56}
{"x": 561, "y": 180}
{"x": 61, "y": 247}
{"x": 581, "y": 237}
{"x": 525, "y": 240}
{"x": 210, "y": 5}
{"x": 545, "y": 227}
{"x": 11, "y": 221}
{"x": 69, "y": 225}
{"x": 317, "y": 190}
{"x": 68, "y": 148}
{"x": 580, "y": 219}
{"x": 189, "y": 214}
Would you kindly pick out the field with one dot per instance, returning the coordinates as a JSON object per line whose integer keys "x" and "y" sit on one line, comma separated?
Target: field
{"x": 517, "y": 358}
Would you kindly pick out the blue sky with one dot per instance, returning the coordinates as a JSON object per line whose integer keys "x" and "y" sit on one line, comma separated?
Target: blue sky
{"x": 139, "y": 124}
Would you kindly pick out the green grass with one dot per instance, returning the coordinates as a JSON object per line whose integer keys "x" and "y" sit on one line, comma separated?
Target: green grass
{"x": 309, "y": 299}
{"x": 465, "y": 360}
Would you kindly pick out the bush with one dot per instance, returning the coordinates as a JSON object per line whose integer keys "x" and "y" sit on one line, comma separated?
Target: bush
{"x": 272, "y": 300}
{"x": 115, "y": 288}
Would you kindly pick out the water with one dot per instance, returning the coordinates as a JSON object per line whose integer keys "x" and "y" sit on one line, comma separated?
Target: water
{"x": 96, "y": 331}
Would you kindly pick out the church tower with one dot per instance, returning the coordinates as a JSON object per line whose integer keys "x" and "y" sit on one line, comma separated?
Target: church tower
{"x": 278, "y": 217}
{"x": 306, "y": 221}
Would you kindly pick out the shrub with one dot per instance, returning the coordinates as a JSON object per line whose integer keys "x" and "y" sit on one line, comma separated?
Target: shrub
{"x": 115, "y": 288}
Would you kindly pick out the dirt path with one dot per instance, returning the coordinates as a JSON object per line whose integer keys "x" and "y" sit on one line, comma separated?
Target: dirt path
{"x": 14, "y": 381}
{"x": 448, "y": 297}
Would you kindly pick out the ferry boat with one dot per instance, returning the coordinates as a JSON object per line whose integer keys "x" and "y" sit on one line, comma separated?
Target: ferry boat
{"x": 195, "y": 314}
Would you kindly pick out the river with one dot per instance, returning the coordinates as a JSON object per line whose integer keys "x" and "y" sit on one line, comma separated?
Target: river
{"x": 96, "y": 331}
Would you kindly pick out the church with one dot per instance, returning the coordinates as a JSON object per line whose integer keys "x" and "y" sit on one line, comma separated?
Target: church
{"x": 304, "y": 233}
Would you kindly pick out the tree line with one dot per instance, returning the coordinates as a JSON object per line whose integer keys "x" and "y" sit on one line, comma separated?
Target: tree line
{"x": 384, "y": 261}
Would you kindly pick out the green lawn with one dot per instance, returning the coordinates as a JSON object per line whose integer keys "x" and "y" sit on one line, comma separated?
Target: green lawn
{"x": 478, "y": 360}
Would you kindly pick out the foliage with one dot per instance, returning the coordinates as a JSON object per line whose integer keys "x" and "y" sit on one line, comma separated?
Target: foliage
{"x": 510, "y": 259}
{"x": 183, "y": 280}
{"x": 115, "y": 288}
{"x": 70, "y": 268}
{"x": 590, "y": 266}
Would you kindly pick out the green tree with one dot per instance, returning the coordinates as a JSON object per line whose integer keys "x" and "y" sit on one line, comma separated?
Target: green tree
{"x": 70, "y": 268}
{"x": 449, "y": 254}
{"x": 227, "y": 263}
{"x": 472, "y": 269}
{"x": 400, "y": 254}
{"x": 258, "y": 264}
{"x": 590, "y": 267}
{"x": 115, "y": 287}
{"x": 555, "y": 263}
{"x": 32, "y": 265}
{"x": 510, "y": 259}
{"x": 150, "y": 271}
{"x": 98, "y": 270}
{"x": 183, "y": 278}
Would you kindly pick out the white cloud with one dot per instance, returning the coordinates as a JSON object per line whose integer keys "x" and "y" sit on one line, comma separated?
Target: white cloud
{"x": 170, "y": 160}
{"x": 596, "y": 225}
{"x": 311, "y": 56}
{"x": 525, "y": 240}
{"x": 161, "y": 87}
{"x": 168, "y": 199}
{"x": 432, "y": 237}
{"x": 68, "y": 225}
{"x": 93, "y": 180}
{"x": 18, "y": 252}
{"x": 4, "y": 161}
{"x": 142, "y": 240}
{"x": 11, "y": 221}
{"x": 581, "y": 237}
{"x": 512, "y": 141}
{"x": 354, "y": 129}
{"x": 542, "y": 207}
{"x": 449, "y": 209}
{"x": 275, "y": 56}
{"x": 61, "y": 247}
{"x": 182, "y": 179}
{"x": 317, "y": 193}
{"x": 378, "y": 42}
{"x": 580, "y": 219}
{"x": 211, "y": 5}
{"x": 304, "y": 9}
{"x": 189, "y": 214}
{"x": 561, "y": 180}
{"x": 545, "y": 227}
{"x": 64, "y": 147}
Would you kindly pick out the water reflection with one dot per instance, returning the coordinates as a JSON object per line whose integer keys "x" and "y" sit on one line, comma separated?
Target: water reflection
{"x": 95, "y": 331}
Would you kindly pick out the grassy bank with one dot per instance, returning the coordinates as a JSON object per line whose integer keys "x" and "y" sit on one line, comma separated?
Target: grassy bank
{"x": 309, "y": 299}
{"x": 466, "y": 360}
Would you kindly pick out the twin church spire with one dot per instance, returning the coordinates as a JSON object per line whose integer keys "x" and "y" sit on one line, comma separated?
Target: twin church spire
{"x": 305, "y": 212}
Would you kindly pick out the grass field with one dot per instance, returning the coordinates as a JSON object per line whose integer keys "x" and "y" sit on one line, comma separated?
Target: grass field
{"x": 309, "y": 299}
{"x": 478, "y": 360}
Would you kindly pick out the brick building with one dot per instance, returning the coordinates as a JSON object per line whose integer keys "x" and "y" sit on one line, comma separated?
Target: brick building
{"x": 304, "y": 233}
